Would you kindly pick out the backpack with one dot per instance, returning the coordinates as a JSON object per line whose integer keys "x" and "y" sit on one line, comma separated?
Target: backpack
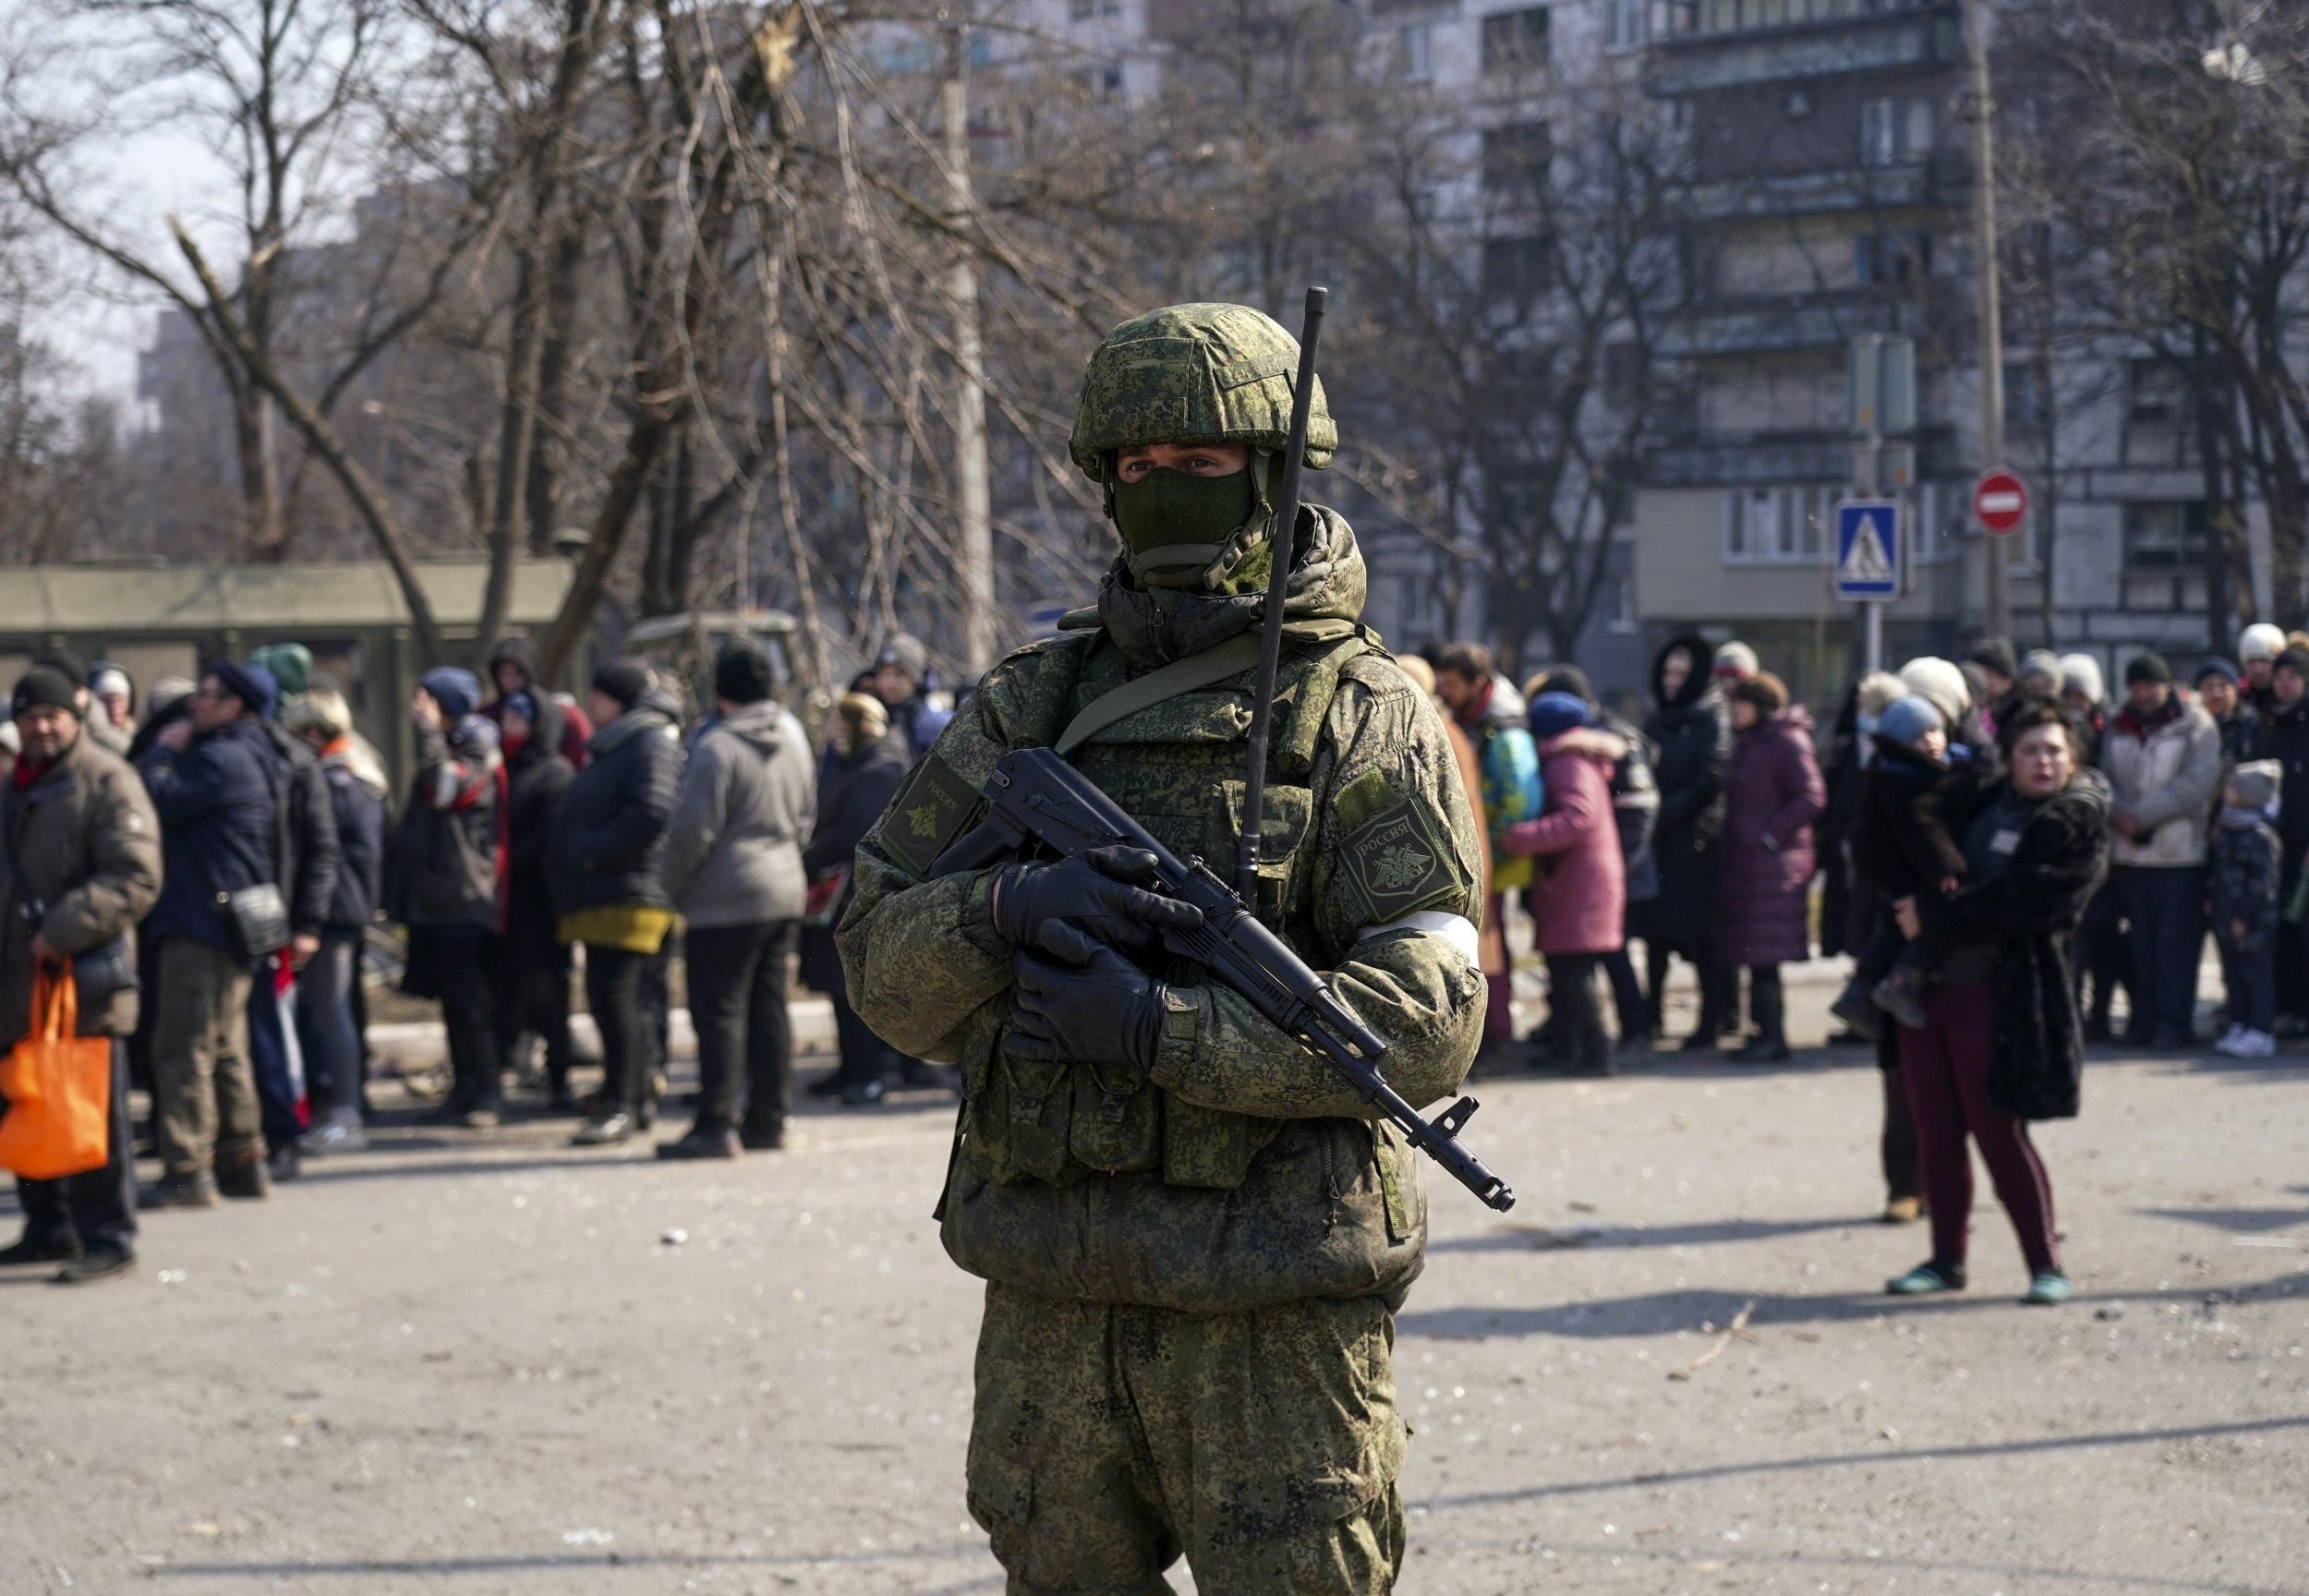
{"x": 1635, "y": 789}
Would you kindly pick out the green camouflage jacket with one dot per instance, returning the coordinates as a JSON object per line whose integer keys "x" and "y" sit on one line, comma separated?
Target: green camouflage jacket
{"x": 1246, "y": 1173}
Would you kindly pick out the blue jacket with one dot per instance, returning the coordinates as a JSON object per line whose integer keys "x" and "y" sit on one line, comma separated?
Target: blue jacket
{"x": 217, "y": 801}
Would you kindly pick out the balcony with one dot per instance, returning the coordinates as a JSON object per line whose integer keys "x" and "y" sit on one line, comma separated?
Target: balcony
{"x": 1906, "y": 40}
{"x": 1763, "y": 458}
{"x": 1943, "y": 179}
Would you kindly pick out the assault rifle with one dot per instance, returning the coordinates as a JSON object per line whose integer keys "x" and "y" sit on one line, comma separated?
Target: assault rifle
{"x": 1038, "y": 803}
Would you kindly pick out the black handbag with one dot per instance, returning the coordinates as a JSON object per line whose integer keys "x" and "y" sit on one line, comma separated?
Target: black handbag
{"x": 98, "y": 974}
{"x": 257, "y": 915}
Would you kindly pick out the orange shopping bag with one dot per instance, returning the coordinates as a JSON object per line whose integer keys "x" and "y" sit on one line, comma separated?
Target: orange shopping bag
{"x": 58, "y": 1087}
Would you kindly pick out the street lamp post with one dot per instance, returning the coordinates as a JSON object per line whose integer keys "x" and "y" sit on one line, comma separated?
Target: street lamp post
{"x": 1995, "y": 603}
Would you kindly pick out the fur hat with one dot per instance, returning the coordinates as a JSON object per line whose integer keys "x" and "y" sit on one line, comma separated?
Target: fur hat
{"x": 1939, "y": 682}
{"x": 1764, "y": 689}
{"x": 1876, "y": 691}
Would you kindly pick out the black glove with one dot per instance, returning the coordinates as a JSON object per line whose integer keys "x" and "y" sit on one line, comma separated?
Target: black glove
{"x": 1099, "y": 1008}
{"x": 1092, "y": 892}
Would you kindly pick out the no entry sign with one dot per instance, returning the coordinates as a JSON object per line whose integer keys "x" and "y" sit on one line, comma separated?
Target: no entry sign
{"x": 2000, "y": 503}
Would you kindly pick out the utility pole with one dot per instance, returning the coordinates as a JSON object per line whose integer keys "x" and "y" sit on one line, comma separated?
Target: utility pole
{"x": 973, "y": 497}
{"x": 1995, "y": 601}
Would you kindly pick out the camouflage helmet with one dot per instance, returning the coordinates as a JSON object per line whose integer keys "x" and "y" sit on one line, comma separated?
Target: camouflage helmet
{"x": 1195, "y": 374}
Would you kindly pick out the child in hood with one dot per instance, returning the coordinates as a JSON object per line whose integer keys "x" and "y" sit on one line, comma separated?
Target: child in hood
{"x": 2242, "y": 903}
{"x": 1914, "y": 800}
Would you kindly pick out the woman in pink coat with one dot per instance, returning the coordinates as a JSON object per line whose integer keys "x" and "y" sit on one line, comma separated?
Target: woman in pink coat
{"x": 1579, "y": 898}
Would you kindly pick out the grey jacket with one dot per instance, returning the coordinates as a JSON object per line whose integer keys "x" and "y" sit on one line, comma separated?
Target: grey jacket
{"x": 733, "y": 852}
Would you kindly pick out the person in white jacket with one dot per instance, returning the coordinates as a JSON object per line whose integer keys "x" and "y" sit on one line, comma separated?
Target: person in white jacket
{"x": 2163, "y": 760}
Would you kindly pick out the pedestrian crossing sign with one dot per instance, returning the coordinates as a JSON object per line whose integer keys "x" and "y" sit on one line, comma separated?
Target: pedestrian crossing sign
{"x": 1868, "y": 549}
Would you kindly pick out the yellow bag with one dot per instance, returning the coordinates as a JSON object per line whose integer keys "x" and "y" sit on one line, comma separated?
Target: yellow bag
{"x": 58, "y": 1088}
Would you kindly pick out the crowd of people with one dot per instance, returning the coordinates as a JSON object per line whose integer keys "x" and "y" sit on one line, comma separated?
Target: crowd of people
{"x": 212, "y": 863}
{"x": 2000, "y": 847}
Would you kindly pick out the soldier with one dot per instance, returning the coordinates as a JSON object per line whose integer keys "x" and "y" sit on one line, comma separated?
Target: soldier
{"x": 1194, "y": 1240}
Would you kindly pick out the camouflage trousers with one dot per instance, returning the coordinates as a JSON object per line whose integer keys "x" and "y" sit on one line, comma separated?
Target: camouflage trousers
{"x": 1108, "y": 1440}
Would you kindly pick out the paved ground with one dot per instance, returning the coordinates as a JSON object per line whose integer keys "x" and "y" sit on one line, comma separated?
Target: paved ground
{"x": 494, "y": 1365}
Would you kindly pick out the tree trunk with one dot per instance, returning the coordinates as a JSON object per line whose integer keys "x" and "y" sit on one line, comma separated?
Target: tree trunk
{"x": 643, "y": 445}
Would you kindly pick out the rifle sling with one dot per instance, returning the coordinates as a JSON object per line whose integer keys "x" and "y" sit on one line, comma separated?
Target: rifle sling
{"x": 1238, "y": 654}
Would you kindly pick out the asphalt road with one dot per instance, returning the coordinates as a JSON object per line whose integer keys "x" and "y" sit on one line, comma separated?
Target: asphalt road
{"x": 466, "y": 1364}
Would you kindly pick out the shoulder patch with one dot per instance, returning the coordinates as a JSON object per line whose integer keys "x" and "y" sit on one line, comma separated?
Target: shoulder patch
{"x": 928, "y": 813}
{"x": 1398, "y": 864}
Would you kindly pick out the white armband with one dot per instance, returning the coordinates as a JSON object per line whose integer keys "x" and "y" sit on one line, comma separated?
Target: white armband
{"x": 1455, "y": 930}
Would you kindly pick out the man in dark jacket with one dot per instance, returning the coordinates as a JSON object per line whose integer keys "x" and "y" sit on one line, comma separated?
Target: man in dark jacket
{"x": 327, "y": 1028}
{"x": 866, "y": 761}
{"x": 2285, "y": 738}
{"x": 1688, "y": 727}
{"x": 607, "y": 859}
{"x": 733, "y": 868}
{"x": 514, "y": 669}
{"x": 80, "y": 865}
{"x": 311, "y": 889}
{"x": 217, "y": 789}
{"x": 449, "y": 875}
{"x": 528, "y": 965}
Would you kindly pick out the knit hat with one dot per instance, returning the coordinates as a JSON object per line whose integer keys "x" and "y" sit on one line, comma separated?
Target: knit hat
{"x": 45, "y": 686}
{"x": 105, "y": 678}
{"x": 1909, "y": 718}
{"x": 2080, "y": 675}
{"x": 474, "y": 736}
{"x": 1764, "y": 689}
{"x": 1567, "y": 679}
{"x": 622, "y": 680}
{"x": 1553, "y": 714}
{"x": 2221, "y": 668}
{"x": 907, "y": 654}
{"x": 1735, "y": 658}
{"x": 2148, "y": 666}
{"x": 1940, "y": 683}
{"x": 2295, "y": 660}
{"x": 2041, "y": 665}
{"x": 522, "y": 703}
{"x": 743, "y": 674}
{"x": 291, "y": 664}
{"x": 251, "y": 684}
{"x": 2260, "y": 641}
{"x": 1995, "y": 654}
{"x": 458, "y": 691}
{"x": 2258, "y": 781}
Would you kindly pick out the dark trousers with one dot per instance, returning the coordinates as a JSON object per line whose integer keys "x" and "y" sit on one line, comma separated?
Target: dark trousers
{"x": 864, "y": 1055}
{"x": 473, "y": 1061}
{"x": 2101, "y": 959}
{"x": 2292, "y": 948}
{"x": 98, "y": 1207}
{"x": 529, "y": 994}
{"x": 1628, "y": 1007}
{"x": 1945, "y": 1068}
{"x": 2164, "y": 911}
{"x": 1575, "y": 1018}
{"x": 324, "y": 1023}
{"x": 613, "y": 992}
{"x": 1896, "y": 1147}
{"x": 2251, "y": 982}
{"x": 745, "y": 1037}
{"x": 1718, "y": 989}
{"x": 280, "y": 1071}
{"x": 1767, "y": 1004}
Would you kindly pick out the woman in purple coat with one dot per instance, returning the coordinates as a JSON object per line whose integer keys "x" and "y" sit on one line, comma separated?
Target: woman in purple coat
{"x": 1773, "y": 793}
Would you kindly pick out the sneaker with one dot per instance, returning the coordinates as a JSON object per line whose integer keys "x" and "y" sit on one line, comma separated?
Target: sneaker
{"x": 284, "y": 1163}
{"x": 1927, "y": 1279}
{"x": 336, "y": 1136}
{"x": 481, "y": 1116}
{"x": 2255, "y": 1045}
{"x": 1858, "y": 1014}
{"x": 2049, "y": 1290}
{"x": 608, "y": 1130}
{"x": 2227, "y": 1045}
{"x": 96, "y": 1264}
{"x": 864, "y": 1093}
{"x": 702, "y": 1141}
{"x": 1903, "y": 1211}
{"x": 1762, "y": 1050}
{"x": 194, "y": 1191}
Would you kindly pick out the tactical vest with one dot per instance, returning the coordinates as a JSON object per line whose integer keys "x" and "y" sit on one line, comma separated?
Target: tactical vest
{"x": 1177, "y": 768}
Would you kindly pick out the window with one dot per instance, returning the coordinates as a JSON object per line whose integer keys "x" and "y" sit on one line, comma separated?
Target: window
{"x": 2027, "y": 407}
{"x": 1623, "y": 23}
{"x": 2164, "y": 534}
{"x": 1778, "y": 526}
{"x": 1106, "y": 78}
{"x": 1516, "y": 41}
{"x": 2155, "y": 394}
{"x": 1894, "y": 131}
{"x": 1415, "y": 48}
{"x": 1083, "y": 10}
{"x": 1515, "y": 270}
{"x": 1903, "y": 256}
{"x": 1515, "y": 161}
